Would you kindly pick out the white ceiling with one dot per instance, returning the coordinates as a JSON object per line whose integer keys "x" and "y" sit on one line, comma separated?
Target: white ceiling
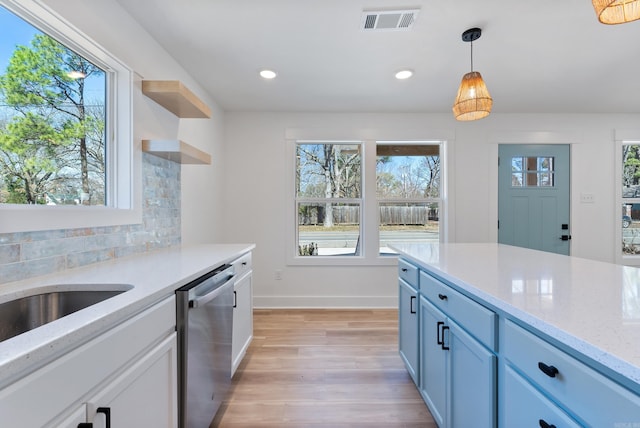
{"x": 536, "y": 56}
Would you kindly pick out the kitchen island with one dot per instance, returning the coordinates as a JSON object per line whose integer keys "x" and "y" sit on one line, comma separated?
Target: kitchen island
{"x": 563, "y": 332}
{"x": 119, "y": 350}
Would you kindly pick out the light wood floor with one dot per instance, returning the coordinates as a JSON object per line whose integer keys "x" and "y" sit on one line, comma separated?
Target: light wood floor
{"x": 324, "y": 368}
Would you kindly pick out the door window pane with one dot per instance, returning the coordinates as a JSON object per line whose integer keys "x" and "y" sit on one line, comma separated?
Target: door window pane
{"x": 532, "y": 171}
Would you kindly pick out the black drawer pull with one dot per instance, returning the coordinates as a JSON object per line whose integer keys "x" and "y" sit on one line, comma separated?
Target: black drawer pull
{"x": 404, "y": 269}
{"x": 442, "y": 296}
{"x": 444, "y": 348}
{"x": 438, "y": 340}
{"x": 411, "y": 303}
{"x": 544, "y": 424}
{"x": 550, "y": 371}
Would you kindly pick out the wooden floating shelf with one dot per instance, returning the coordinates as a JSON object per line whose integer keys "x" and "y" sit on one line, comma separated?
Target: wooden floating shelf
{"x": 176, "y": 151}
{"x": 175, "y": 97}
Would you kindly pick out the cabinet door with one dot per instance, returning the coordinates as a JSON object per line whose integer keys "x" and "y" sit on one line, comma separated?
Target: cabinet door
{"x": 408, "y": 328}
{"x": 472, "y": 402}
{"x": 242, "y": 320}
{"x": 433, "y": 360}
{"x": 145, "y": 394}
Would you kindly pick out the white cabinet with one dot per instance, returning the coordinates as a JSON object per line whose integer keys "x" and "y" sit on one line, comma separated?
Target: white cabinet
{"x": 131, "y": 368}
{"x": 242, "y": 310}
{"x": 144, "y": 395}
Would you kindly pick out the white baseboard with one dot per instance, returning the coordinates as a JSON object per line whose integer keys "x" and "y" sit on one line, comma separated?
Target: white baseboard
{"x": 325, "y": 302}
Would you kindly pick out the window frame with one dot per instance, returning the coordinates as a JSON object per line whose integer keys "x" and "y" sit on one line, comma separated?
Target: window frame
{"x": 369, "y": 213}
{"x": 123, "y": 181}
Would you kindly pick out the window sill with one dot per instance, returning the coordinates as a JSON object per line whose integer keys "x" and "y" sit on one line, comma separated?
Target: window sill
{"x": 389, "y": 260}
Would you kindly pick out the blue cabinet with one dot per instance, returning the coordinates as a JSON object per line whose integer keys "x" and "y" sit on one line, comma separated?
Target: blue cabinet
{"x": 433, "y": 361}
{"x": 458, "y": 374}
{"x": 408, "y": 328}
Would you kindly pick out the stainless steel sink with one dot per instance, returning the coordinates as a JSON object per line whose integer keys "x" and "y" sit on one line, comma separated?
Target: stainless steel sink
{"x": 26, "y": 313}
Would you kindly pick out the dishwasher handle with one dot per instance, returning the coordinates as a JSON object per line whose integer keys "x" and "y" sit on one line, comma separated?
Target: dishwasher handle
{"x": 206, "y": 298}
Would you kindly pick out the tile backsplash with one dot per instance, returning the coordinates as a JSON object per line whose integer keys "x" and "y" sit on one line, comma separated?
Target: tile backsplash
{"x": 28, "y": 254}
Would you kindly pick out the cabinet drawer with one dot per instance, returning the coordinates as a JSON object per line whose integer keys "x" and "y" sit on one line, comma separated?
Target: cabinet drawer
{"x": 408, "y": 272}
{"x": 586, "y": 393}
{"x": 475, "y": 318}
{"x": 242, "y": 265}
{"x": 525, "y": 406}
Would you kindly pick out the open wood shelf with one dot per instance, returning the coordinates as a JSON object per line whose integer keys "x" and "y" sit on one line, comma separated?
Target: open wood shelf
{"x": 175, "y": 97}
{"x": 176, "y": 151}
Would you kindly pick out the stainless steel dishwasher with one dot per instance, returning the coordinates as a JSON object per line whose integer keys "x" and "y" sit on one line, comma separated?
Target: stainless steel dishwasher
{"x": 205, "y": 327}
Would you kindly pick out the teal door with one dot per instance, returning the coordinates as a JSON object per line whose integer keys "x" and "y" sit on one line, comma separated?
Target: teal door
{"x": 533, "y": 196}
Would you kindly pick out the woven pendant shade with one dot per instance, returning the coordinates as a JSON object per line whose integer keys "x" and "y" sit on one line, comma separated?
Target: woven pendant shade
{"x": 473, "y": 101}
{"x": 617, "y": 11}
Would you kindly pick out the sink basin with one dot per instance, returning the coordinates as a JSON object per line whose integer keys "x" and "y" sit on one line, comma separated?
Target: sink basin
{"x": 26, "y": 313}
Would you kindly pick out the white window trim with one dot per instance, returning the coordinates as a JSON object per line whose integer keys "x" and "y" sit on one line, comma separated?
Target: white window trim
{"x": 123, "y": 163}
{"x": 369, "y": 238}
{"x": 622, "y": 138}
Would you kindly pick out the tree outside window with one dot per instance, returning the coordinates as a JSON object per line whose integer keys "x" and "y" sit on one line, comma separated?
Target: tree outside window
{"x": 52, "y": 123}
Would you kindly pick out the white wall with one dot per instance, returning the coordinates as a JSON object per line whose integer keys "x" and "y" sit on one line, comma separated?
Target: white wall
{"x": 257, "y": 195}
{"x": 111, "y": 27}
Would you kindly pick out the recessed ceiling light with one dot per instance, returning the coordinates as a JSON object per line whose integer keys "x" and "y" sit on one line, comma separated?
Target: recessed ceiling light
{"x": 267, "y": 74}
{"x": 404, "y": 74}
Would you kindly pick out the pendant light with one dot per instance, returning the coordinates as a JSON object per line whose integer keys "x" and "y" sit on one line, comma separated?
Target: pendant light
{"x": 473, "y": 101}
{"x": 617, "y": 11}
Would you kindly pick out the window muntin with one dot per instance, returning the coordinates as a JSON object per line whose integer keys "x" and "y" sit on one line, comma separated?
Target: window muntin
{"x": 52, "y": 134}
{"x": 328, "y": 198}
{"x": 408, "y": 189}
{"x": 123, "y": 181}
{"x": 630, "y": 199}
{"x": 532, "y": 171}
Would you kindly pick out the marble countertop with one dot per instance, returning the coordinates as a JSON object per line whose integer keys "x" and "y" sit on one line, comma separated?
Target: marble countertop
{"x": 154, "y": 276}
{"x": 583, "y": 306}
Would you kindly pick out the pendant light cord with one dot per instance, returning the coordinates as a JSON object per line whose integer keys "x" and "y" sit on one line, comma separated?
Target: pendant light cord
{"x": 471, "y": 55}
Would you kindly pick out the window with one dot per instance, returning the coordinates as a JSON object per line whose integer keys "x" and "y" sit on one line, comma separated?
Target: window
{"x": 630, "y": 179}
{"x": 345, "y": 215}
{"x": 52, "y": 139}
{"x": 532, "y": 171}
{"x": 66, "y": 156}
{"x": 328, "y": 198}
{"x": 408, "y": 192}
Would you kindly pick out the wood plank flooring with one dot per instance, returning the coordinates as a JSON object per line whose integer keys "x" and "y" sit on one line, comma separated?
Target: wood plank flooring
{"x": 324, "y": 368}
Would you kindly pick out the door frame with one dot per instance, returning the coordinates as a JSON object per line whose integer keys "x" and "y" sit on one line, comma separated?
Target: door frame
{"x": 528, "y": 138}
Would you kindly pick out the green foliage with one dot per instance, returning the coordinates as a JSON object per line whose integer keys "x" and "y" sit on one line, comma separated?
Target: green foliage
{"x": 51, "y": 139}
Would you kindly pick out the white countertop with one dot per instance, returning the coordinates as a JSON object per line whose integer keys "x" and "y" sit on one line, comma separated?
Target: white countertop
{"x": 586, "y": 306}
{"x": 153, "y": 275}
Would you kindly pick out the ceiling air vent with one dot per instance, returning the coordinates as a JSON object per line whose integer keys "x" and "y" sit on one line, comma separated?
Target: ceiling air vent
{"x": 388, "y": 19}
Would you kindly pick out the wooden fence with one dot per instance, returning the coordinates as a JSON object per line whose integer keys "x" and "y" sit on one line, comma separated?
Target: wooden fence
{"x": 311, "y": 215}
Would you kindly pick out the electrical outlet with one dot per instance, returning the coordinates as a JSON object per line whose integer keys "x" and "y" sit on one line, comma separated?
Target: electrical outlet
{"x": 278, "y": 274}
{"x": 587, "y": 198}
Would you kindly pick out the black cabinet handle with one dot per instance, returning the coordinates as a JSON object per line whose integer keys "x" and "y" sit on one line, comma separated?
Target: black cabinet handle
{"x": 235, "y": 299}
{"x": 107, "y": 413}
{"x": 438, "y": 340}
{"x": 442, "y": 296}
{"x": 550, "y": 371}
{"x": 404, "y": 269}
{"x": 544, "y": 424}
{"x": 444, "y": 348}
{"x": 411, "y": 302}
